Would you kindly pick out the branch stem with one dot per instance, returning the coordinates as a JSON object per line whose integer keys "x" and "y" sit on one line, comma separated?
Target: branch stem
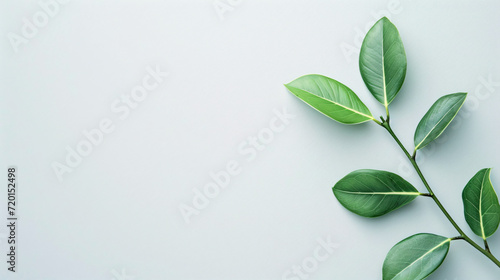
{"x": 463, "y": 236}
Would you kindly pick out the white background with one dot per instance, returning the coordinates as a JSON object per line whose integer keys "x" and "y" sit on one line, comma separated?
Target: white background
{"x": 116, "y": 215}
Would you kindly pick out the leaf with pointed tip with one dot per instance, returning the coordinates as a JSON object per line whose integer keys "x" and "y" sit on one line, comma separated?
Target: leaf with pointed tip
{"x": 331, "y": 98}
{"x": 416, "y": 257}
{"x": 382, "y": 61}
{"x": 481, "y": 207}
{"x": 437, "y": 119}
{"x": 373, "y": 193}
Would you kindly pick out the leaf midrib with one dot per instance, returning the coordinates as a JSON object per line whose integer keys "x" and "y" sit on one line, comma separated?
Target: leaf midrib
{"x": 480, "y": 206}
{"x": 428, "y": 252}
{"x": 381, "y": 193}
{"x": 383, "y": 71}
{"x": 432, "y": 129}
{"x": 336, "y": 103}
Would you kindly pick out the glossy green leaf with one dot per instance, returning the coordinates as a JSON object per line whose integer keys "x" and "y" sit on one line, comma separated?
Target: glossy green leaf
{"x": 415, "y": 257}
{"x": 437, "y": 119}
{"x": 481, "y": 207}
{"x": 331, "y": 98}
{"x": 382, "y": 61}
{"x": 373, "y": 193}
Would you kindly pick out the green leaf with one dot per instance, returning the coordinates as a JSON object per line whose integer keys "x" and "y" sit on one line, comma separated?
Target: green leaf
{"x": 331, "y": 98}
{"x": 437, "y": 119}
{"x": 382, "y": 61}
{"x": 416, "y": 257}
{"x": 373, "y": 193}
{"x": 481, "y": 207}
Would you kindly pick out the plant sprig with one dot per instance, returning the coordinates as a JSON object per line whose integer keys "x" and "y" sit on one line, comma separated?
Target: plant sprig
{"x": 373, "y": 193}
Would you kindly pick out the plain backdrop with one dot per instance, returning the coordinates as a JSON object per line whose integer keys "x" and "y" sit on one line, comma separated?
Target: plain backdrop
{"x": 116, "y": 213}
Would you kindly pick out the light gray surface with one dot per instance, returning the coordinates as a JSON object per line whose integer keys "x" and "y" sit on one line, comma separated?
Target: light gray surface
{"x": 116, "y": 215}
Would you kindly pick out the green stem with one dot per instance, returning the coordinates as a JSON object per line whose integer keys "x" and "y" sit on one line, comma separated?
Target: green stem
{"x": 457, "y": 238}
{"x": 463, "y": 236}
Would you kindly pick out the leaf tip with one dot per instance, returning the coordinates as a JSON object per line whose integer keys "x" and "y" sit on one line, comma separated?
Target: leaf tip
{"x": 463, "y": 95}
{"x": 289, "y": 87}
